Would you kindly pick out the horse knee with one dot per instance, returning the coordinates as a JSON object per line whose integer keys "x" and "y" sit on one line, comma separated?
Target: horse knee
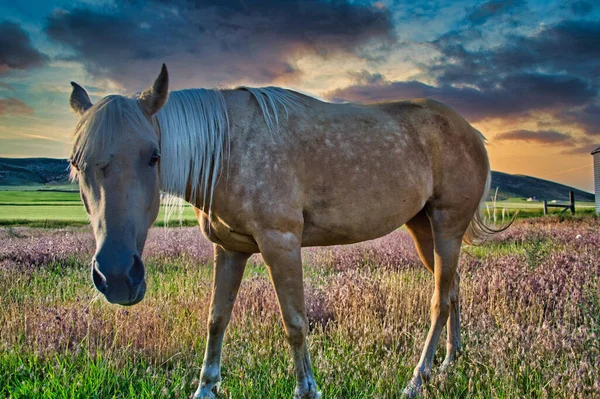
{"x": 296, "y": 330}
{"x": 440, "y": 306}
{"x": 216, "y": 325}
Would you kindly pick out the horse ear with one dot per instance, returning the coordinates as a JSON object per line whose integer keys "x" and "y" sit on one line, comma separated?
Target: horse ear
{"x": 80, "y": 101}
{"x": 153, "y": 98}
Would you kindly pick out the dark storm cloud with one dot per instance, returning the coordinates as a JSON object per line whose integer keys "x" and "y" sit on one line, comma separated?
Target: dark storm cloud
{"x": 214, "y": 42}
{"x": 481, "y": 13}
{"x": 569, "y": 47}
{"x": 555, "y": 71}
{"x": 581, "y": 7}
{"x": 16, "y": 49}
{"x": 14, "y": 106}
{"x": 518, "y": 95}
{"x": 588, "y": 118}
{"x": 540, "y": 136}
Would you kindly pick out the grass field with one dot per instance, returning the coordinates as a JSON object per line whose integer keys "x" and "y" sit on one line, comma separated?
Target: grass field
{"x": 530, "y": 319}
{"x": 59, "y": 209}
{"x": 52, "y": 209}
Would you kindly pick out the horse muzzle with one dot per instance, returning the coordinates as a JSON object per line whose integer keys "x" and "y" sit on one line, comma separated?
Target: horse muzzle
{"x": 126, "y": 287}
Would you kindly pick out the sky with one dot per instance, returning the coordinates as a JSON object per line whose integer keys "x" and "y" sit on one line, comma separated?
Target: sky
{"x": 525, "y": 73}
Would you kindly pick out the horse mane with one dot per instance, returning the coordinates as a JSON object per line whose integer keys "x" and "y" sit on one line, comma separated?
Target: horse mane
{"x": 194, "y": 132}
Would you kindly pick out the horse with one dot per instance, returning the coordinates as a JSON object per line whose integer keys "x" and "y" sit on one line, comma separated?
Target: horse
{"x": 269, "y": 170}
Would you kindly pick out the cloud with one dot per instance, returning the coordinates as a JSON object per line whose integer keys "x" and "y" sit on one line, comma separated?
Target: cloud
{"x": 14, "y": 106}
{"x": 551, "y": 137}
{"x": 481, "y": 13}
{"x": 581, "y": 150}
{"x": 554, "y": 70}
{"x": 517, "y": 95}
{"x": 6, "y": 86}
{"x": 569, "y": 47}
{"x": 587, "y": 118}
{"x": 581, "y": 8}
{"x": 214, "y": 42}
{"x": 16, "y": 49}
{"x": 574, "y": 145}
{"x": 364, "y": 77}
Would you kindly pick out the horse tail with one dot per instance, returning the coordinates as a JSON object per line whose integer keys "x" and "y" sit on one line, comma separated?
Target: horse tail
{"x": 478, "y": 231}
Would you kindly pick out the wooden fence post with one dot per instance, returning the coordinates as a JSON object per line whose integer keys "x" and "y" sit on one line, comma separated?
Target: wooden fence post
{"x": 572, "y": 200}
{"x": 545, "y": 207}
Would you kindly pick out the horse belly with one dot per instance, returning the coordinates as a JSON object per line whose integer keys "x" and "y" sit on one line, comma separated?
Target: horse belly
{"x": 364, "y": 215}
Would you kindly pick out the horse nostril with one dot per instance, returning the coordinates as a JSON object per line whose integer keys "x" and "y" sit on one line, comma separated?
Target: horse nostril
{"x": 98, "y": 278}
{"x": 136, "y": 273}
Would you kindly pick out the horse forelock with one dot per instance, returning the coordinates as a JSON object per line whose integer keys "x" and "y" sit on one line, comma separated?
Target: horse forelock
{"x": 98, "y": 131}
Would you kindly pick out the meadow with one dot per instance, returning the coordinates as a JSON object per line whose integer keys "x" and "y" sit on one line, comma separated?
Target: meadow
{"x": 33, "y": 207}
{"x": 530, "y": 318}
{"x": 54, "y": 209}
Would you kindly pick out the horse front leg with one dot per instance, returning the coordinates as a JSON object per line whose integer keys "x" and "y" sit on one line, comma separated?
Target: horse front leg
{"x": 228, "y": 271}
{"x": 281, "y": 252}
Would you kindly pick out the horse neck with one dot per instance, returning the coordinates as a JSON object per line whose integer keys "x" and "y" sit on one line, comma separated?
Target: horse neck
{"x": 194, "y": 130}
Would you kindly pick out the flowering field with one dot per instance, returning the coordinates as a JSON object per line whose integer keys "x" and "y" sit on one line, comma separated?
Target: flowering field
{"x": 530, "y": 319}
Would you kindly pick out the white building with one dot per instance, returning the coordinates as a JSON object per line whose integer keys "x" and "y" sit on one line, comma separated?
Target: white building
{"x": 596, "y": 155}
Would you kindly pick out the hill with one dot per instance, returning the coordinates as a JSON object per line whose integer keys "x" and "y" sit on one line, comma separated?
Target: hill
{"x": 43, "y": 171}
{"x": 526, "y": 186}
{"x": 33, "y": 171}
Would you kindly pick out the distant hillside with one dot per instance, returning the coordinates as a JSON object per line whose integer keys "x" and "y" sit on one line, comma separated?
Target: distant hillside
{"x": 33, "y": 171}
{"x": 41, "y": 171}
{"x": 526, "y": 186}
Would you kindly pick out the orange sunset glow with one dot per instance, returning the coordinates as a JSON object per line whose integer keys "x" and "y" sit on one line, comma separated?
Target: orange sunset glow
{"x": 524, "y": 73}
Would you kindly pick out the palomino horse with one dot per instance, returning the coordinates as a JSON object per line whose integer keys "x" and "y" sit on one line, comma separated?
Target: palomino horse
{"x": 270, "y": 170}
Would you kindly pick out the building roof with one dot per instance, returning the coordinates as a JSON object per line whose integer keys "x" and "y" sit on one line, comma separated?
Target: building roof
{"x": 596, "y": 151}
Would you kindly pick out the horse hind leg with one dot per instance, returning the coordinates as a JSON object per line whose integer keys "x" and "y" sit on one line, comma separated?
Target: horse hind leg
{"x": 439, "y": 253}
{"x": 453, "y": 343}
{"x": 420, "y": 229}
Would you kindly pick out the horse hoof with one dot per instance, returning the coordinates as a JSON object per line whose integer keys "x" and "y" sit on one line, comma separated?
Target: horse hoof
{"x": 308, "y": 395}
{"x": 204, "y": 395}
{"x": 412, "y": 391}
{"x": 447, "y": 365}
{"x": 206, "y": 391}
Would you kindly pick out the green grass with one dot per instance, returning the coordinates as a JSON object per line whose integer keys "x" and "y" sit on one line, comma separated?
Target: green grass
{"x": 38, "y": 187}
{"x": 38, "y": 197}
{"x": 60, "y": 339}
{"x": 54, "y": 209}
{"x": 19, "y": 215}
{"x": 521, "y": 203}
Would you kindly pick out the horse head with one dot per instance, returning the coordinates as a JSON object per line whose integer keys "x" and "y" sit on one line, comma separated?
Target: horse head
{"x": 116, "y": 160}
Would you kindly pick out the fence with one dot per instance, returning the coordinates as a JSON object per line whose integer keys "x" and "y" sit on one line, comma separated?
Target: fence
{"x": 570, "y": 206}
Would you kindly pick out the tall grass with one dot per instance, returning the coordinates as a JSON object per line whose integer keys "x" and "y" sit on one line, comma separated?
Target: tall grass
{"x": 530, "y": 316}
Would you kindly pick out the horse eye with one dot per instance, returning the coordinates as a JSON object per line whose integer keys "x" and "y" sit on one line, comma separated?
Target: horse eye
{"x": 154, "y": 158}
